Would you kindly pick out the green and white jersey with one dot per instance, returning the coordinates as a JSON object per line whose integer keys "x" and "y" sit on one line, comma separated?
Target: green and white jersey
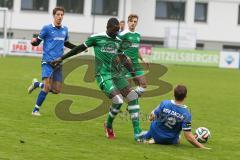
{"x": 134, "y": 38}
{"x": 106, "y": 50}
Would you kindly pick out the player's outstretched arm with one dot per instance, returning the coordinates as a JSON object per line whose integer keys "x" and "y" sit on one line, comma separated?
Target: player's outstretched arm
{"x": 69, "y": 45}
{"x": 189, "y": 136}
{"x": 71, "y": 53}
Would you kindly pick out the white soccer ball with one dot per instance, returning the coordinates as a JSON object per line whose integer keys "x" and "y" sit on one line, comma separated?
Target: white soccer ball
{"x": 202, "y": 134}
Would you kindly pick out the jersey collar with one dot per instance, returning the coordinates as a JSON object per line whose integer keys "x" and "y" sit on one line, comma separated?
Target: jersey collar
{"x": 105, "y": 33}
{"x": 130, "y": 31}
{"x": 55, "y": 26}
{"x": 179, "y": 105}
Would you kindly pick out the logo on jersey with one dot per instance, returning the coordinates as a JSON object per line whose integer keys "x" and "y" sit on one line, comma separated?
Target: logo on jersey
{"x": 59, "y": 38}
{"x": 173, "y": 113}
{"x": 110, "y": 48}
{"x": 64, "y": 32}
{"x": 138, "y": 39}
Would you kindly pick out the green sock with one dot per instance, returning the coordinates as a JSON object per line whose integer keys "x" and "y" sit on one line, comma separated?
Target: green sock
{"x": 114, "y": 109}
{"x": 136, "y": 126}
{"x": 133, "y": 109}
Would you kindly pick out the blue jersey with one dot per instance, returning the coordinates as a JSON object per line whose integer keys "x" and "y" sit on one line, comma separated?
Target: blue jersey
{"x": 54, "y": 38}
{"x": 170, "y": 119}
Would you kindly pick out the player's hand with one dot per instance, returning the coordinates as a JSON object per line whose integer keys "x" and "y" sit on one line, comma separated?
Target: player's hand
{"x": 56, "y": 62}
{"x": 151, "y": 117}
{"x": 34, "y": 40}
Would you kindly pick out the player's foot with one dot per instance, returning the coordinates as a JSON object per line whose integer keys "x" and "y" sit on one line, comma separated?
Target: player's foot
{"x": 149, "y": 141}
{"x": 139, "y": 137}
{"x": 32, "y": 87}
{"x": 109, "y": 132}
{"x": 36, "y": 113}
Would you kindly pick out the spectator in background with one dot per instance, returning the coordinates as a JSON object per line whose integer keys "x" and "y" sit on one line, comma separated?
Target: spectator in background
{"x": 122, "y": 26}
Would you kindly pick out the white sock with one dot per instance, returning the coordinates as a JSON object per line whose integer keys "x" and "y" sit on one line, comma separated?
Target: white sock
{"x": 139, "y": 90}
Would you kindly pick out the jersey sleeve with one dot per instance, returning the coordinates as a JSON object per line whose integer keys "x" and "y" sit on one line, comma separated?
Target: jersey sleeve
{"x": 43, "y": 33}
{"x": 187, "y": 122}
{"x": 90, "y": 42}
{"x": 158, "y": 109}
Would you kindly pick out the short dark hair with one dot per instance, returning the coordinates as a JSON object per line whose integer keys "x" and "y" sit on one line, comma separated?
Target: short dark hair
{"x": 180, "y": 92}
{"x": 131, "y": 16}
{"x": 112, "y": 22}
{"x": 58, "y": 9}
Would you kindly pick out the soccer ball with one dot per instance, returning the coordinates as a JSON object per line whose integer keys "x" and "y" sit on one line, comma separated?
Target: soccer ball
{"x": 202, "y": 134}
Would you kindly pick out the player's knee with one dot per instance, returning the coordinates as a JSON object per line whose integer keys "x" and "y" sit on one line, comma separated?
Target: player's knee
{"x": 117, "y": 99}
{"x": 143, "y": 82}
{"x": 56, "y": 91}
{"x": 132, "y": 95}
{"x": 143, "y": 85}
{"x": 46, "y": 88}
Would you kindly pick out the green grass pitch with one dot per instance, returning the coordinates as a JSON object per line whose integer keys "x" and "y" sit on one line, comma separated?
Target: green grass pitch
{"x": 213, "y": 98}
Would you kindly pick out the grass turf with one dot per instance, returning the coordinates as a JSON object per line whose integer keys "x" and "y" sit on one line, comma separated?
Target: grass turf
{"x": 213, "y": 97}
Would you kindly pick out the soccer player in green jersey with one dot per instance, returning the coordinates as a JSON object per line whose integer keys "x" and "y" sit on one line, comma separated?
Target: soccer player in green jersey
{"x": 109, "y": 62}
{"x": 134, "y": 38}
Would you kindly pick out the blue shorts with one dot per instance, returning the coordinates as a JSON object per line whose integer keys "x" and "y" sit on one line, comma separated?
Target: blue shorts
{"x": 49, "y": 72}
{"x": 152, "y": 133}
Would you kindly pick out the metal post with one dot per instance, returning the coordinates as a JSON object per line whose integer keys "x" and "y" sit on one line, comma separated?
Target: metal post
{"x": 178, "y": 27}
{"x": 178, "y": 32}
{"x": 5, "y": 44}
{"x": 124, "y": 9}
{"x": 93, "y": 23}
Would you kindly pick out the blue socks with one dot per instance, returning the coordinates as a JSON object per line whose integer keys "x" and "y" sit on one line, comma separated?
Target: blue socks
{"x": 38, "y": 84}
{"x": 41, "y": 97}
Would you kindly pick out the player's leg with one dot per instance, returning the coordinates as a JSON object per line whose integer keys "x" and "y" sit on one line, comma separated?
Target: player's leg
{"x": 159, "y": 137}
{"x": 42, "y": 96}
{"x": 34, "y": 85}
{"x": 46, "y": 76}
{"x": 133, "y": 105}
{"x": 133, "y": 109}
{"x": 56, "y": 86}
{"x": 142, "y": 83}
{"x": 108, "y": 87}
{"x": 117, "y": 101}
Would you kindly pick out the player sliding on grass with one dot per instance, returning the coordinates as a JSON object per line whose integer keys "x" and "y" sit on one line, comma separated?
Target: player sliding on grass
{"x": 168, "y": 119}
{"x": 110, "y": 77}
{"x": 55, "y": 37}
{"x": 134, "y": 37}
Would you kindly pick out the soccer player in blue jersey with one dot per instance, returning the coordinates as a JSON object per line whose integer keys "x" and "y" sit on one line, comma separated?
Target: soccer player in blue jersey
{"x": 54, "y": 37}
{"x": 169, "y": 119}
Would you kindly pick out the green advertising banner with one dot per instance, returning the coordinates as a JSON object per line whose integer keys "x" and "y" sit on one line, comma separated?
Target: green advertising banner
{"x": 184, "y": 57}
